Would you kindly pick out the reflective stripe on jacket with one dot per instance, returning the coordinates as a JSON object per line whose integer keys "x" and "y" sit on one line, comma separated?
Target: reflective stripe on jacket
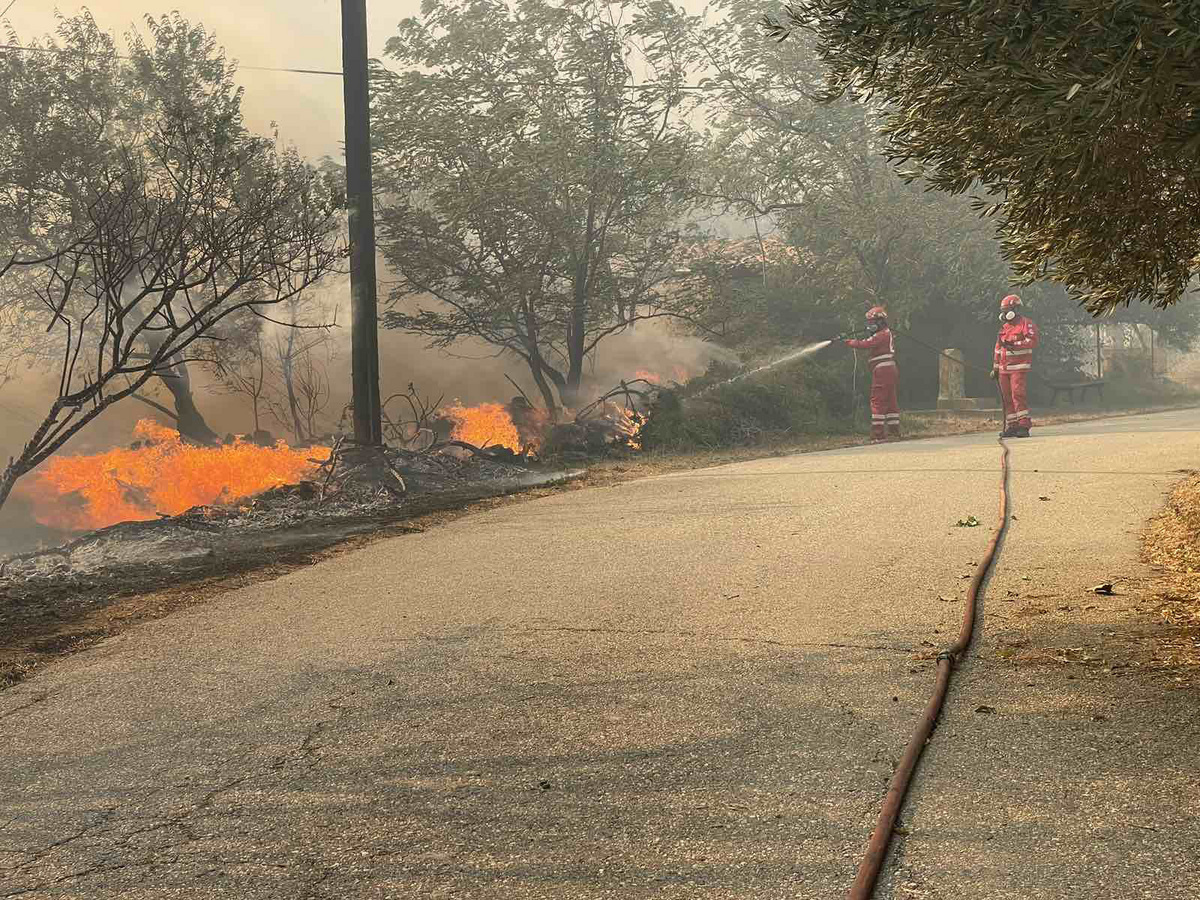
{"x": 1021, "y": 337}
{"x": 882, "y": 347}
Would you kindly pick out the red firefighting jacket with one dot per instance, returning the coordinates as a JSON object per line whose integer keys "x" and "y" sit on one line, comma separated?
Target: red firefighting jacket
{"x": 883, "y": 349}
{"x": 1021, "y": 337}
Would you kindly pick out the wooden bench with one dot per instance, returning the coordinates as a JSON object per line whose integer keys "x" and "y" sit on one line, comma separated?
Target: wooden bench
{"x": 1082, "y": 387}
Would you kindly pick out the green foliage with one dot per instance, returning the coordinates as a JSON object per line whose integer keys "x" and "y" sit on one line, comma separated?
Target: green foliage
{"x": 786, "y": 153}
{"x": 761, "y": 295}
{"x": 1079, "y": 119}
{"x": 534, "y": 183}
{"x": 812, "y": 169}
{"x": 808, "y": 397}
{"x": 860, "y": 234}
{"x": 54, "y": 113}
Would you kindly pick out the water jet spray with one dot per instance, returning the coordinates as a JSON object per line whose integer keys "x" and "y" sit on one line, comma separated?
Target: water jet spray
{"x": 799, "y": 353}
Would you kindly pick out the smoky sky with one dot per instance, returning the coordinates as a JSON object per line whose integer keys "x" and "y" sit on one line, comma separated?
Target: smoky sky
{"x": 300, "y": 34}
{"x": 304, "y": 34}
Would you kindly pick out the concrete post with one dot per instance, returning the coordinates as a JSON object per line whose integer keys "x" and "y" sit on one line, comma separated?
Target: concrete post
{"x": 951, "y": 372}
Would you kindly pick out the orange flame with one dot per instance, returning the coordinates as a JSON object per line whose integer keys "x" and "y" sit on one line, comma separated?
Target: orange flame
{"x": 630, "y": 425}
{"x": 485, "y": 425}
{"x": 164, "y": 475}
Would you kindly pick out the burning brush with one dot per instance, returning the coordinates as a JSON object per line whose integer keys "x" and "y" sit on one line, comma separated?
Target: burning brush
{"x": 158, "y": 475}
{"x": 614, "y": 419}
{"x": 161, "y": 475}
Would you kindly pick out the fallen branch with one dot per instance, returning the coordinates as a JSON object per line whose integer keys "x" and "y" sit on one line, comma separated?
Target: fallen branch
{"x": 492, "y": 453}
{"x": 422, "y": 414}
{"x": 334, "y": 457}
{"x": 624, "y": 389}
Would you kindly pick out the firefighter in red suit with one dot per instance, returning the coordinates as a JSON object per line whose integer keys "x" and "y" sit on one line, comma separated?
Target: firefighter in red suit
{"x": 881, "y": 357}
{"x": 1012, "y": 363}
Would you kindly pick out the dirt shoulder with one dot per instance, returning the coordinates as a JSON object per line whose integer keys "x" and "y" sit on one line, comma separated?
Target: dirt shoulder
{"x": 69, "y": 615}
{"x": 1171, "y": 543}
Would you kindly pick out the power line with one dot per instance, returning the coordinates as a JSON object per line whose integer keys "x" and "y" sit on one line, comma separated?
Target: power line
{"x": 59, "y": 50}
{"x": 644, "y": 86}
{"x": 11, "y": 4}
{"x": 299, "y": 71}
{"x": 501, "y": 82}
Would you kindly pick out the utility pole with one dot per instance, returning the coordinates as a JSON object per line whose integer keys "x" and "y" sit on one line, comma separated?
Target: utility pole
{"x": 364, "y": 321}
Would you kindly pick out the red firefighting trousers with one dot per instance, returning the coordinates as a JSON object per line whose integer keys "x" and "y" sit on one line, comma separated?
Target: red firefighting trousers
{"x": 1016, "y": 406}
{"x": 885, "y": 408}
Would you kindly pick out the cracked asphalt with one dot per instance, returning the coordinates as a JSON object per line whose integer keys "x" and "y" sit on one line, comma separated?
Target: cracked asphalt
{"x": 689, "y": 686}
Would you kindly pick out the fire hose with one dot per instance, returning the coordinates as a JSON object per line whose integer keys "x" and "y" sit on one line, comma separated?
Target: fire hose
{"x": 868, "y": 871}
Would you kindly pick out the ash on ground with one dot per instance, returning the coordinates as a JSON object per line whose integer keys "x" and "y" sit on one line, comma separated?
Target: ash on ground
{"x": 306, "y": 516}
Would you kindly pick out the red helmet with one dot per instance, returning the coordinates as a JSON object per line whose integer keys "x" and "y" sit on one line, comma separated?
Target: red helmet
{"x": 876, "y": 312}
{"x": 1010, "y": 300}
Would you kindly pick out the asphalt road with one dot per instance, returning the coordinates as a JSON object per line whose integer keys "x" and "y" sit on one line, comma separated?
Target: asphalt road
{"x": 690, "y": 686}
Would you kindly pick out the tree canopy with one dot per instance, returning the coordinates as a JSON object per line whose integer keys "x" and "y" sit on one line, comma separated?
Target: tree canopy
{"x": 1080, "y": 122}
{"x": 536, "y": 170}
{"x": 816, "y": 172}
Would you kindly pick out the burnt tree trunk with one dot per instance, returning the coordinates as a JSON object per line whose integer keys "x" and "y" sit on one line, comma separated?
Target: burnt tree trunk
{"x": 577, "y": 329}
{"x": 190, "y": 421}
{"x": 544, "y": 388}
{"x": 287, "y": 361}
{"x": 257, "y": 392}
{"x": 542, "y": 374}
{"x": 7, "y": 480}
{"x": 173, "y": 373}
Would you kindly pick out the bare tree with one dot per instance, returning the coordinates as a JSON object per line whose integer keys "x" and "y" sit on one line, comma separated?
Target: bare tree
{"x": 247, "y": 374}
{"x": 300, "y": 361}
{"x": 300, "y": 352}
{"x": 184, "y": 222}
{"x": 312, "y": 390}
